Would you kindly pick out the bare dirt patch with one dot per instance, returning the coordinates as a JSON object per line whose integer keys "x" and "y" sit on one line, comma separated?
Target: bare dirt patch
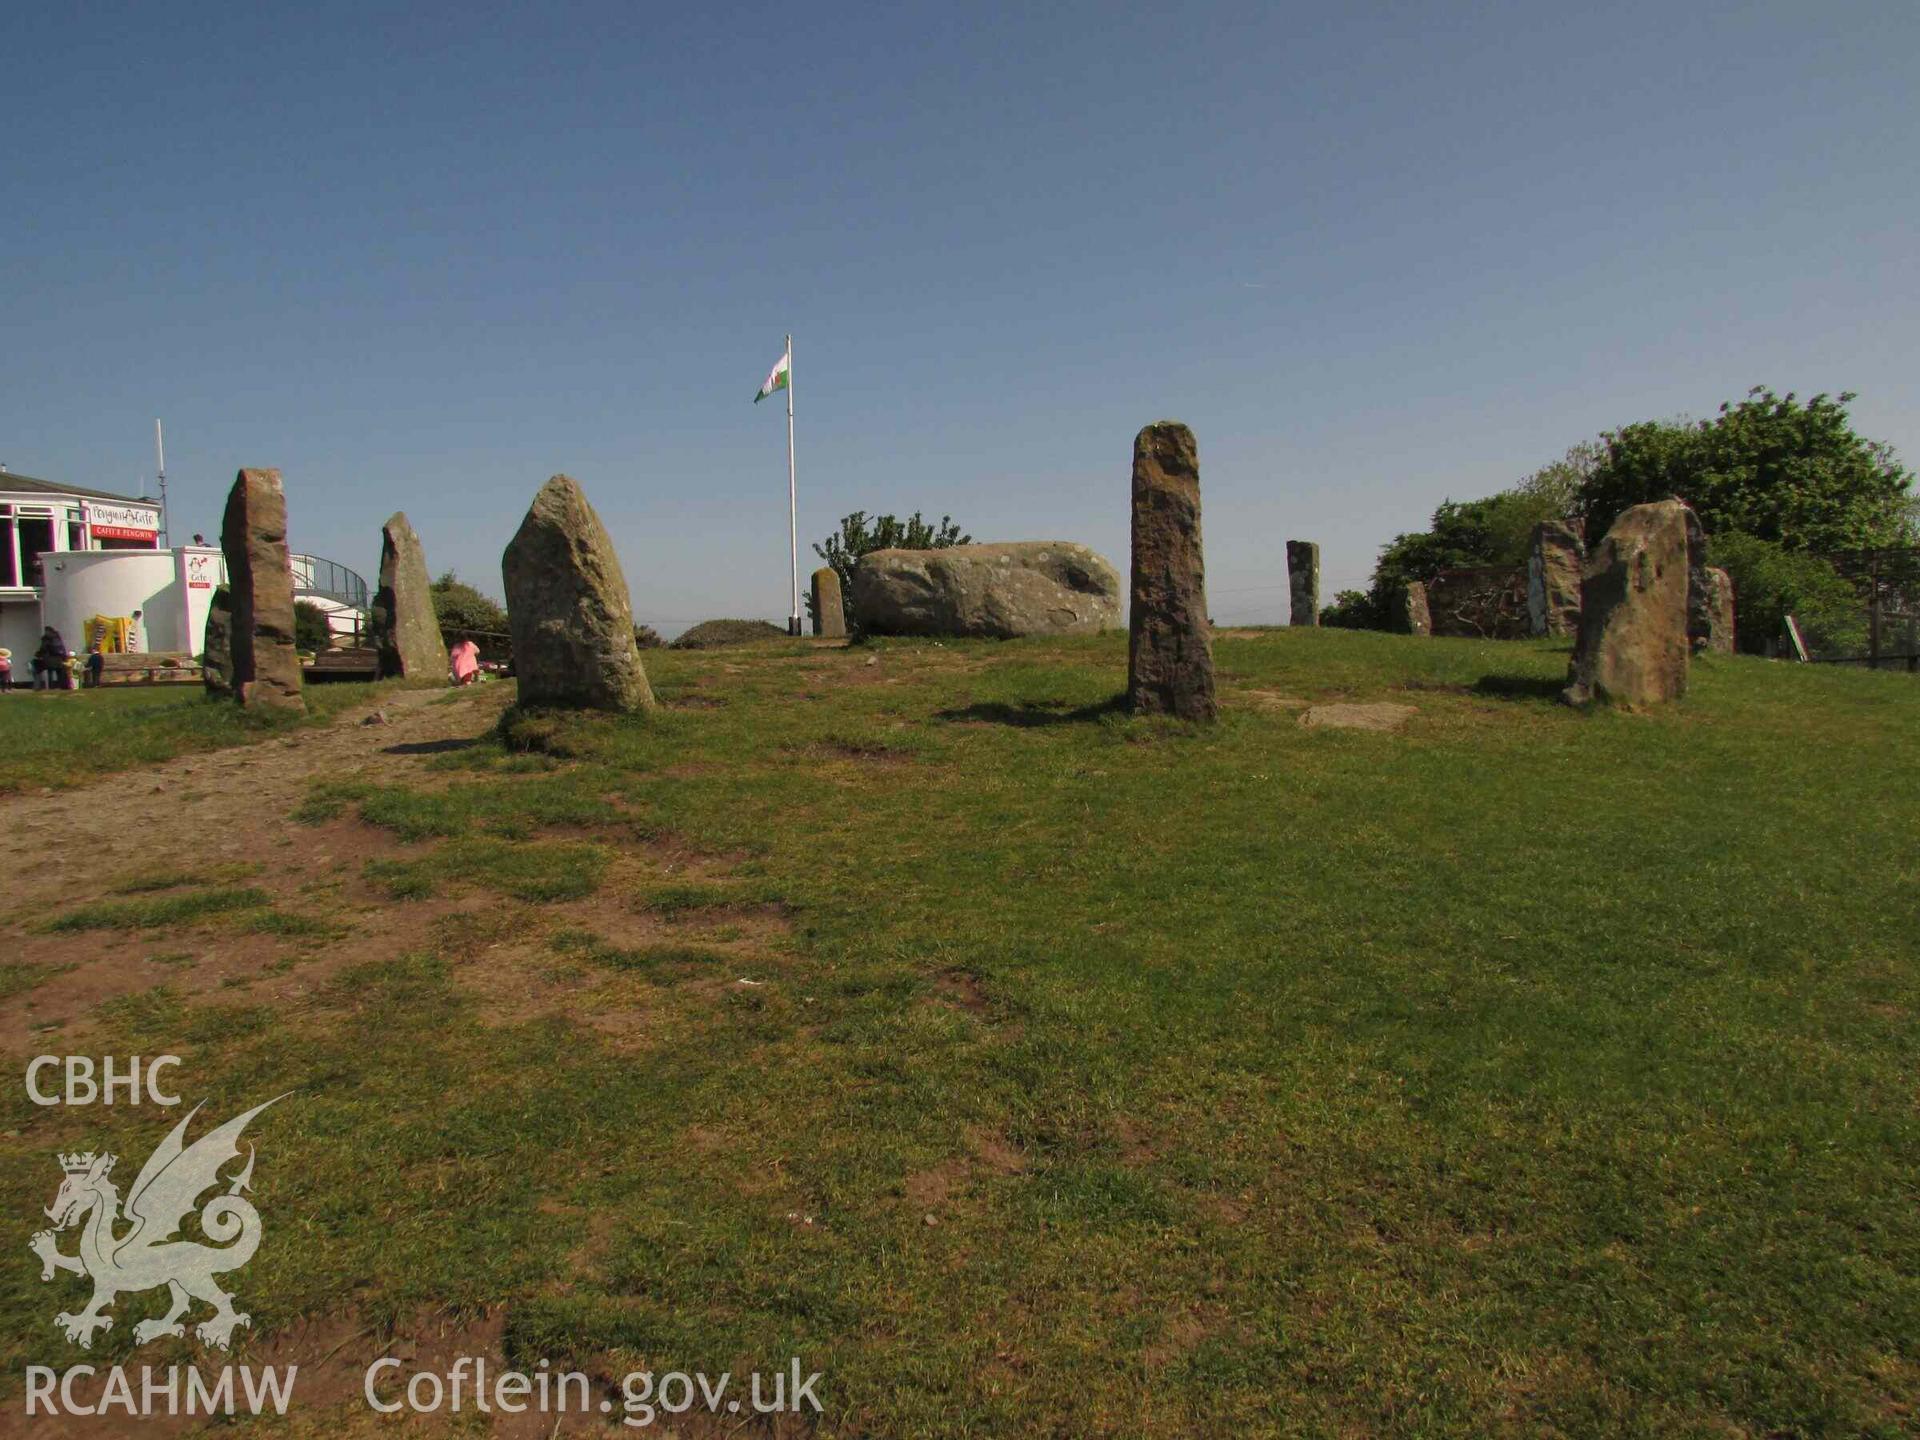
{"x": 346, "y": 844}
{"x": 961, "y": 991}
{"x": 927, "y": 1189}
{"x": 987, "y": 1155}
{"x": 1182, "y": 1335}
{"x": 1138, "y": 1145}
{"x": 995, "y": 1153}
{"x": 864, "y": 753}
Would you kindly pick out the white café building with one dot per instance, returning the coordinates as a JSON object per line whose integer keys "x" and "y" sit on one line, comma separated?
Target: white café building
{"x": 68, "y": 553}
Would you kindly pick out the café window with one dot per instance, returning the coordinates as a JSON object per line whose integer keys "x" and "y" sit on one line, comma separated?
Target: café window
{"x": 35, "y": 532}
{"x": 76, "y": 531}
{"x": 9, "y": 560}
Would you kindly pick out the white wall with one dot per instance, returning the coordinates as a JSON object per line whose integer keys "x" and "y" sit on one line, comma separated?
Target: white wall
{"x": 20, "y": 633}
{"x": 201, "y": 570}
{"x": 172, "y": 588}
{"x": 84, "y": 583}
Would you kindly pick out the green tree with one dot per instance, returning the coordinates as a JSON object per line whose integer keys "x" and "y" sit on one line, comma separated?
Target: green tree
{"x": 859, "y": 535}
{"x": 1791, "y": 473}
{"x": 460, "y": 607}
{"x": 1466, "y": 534}
{"x": 1553, "y": 491}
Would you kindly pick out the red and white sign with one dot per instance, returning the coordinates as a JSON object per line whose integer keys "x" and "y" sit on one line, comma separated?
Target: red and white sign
{"x": 122, "y": 522}
{"x": 203, "y": 569}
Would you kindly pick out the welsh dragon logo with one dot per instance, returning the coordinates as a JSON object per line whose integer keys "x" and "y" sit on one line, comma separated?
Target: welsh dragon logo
{"x": 149, "y": 1253}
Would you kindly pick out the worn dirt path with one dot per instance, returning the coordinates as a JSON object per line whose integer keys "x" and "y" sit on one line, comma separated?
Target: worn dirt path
{"x": 223, "y": 807}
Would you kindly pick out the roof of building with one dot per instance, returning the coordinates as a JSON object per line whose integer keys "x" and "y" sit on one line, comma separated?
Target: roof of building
{"x": 12, "y": 482}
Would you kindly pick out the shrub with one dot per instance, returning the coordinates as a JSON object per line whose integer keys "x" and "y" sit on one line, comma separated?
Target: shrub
{"x": 1771, "y": 582}
{"x": 647, "y": 638}
{"x": 310, "y": 628}
{"x": 1353, "y": 610}
{"x": 862, "y": 536}
{"x": 460, "y": 607}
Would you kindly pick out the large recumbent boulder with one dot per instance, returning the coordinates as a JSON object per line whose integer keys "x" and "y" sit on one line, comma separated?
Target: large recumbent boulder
{"x": 1028, "y": 587}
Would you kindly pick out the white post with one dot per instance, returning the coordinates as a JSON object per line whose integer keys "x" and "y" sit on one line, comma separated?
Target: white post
{"x": 793, "y": 504}
{"x": 160, "y": 454}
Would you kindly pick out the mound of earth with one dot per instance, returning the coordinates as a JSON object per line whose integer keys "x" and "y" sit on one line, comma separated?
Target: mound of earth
{"x": 712, "y": 634}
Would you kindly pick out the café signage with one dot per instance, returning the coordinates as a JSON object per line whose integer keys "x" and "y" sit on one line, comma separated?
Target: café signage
{"x": 122, "y": 522}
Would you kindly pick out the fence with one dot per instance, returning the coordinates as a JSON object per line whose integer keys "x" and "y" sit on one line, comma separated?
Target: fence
{"x": 317, "y": 575}
{"x": 1884, "y": 631}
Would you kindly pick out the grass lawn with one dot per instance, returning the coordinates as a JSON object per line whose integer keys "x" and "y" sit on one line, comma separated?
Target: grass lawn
{"x": 1033, "y": 1070}
{"x": 66, "y": 737}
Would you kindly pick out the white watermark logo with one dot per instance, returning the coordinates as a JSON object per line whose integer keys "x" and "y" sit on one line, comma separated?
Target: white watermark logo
{"x": 140, "y": 1249}
{"x": 644, "y": 1397}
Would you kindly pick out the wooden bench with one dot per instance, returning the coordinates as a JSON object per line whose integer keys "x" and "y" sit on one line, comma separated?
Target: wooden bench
{"x": 150, "y": 668}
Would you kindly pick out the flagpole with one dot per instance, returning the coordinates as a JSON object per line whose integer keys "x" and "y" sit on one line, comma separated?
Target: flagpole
{"x": 793, "y": 504}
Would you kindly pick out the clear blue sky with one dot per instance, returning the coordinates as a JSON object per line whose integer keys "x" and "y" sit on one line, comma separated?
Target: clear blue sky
{"x": 423, "y": 257}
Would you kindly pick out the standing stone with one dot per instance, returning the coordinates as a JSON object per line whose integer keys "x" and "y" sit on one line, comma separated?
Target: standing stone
{"x": 1700, "y": 597}
{"x": 1303, "y": 580}
{"x": 568, "y": 608}
{"x": 1556, "y": 559}
{"x": 1720, "y": 635}
{"x": 405, "y": 629}
{"x": 253, "y": 537}
{"x": 1632, "y": 649}
{"x": 829, "y": 614}
{"x": 216, "y": 658}
{"x": 1411, "y": 615}
{"x": 1170, "y": 638}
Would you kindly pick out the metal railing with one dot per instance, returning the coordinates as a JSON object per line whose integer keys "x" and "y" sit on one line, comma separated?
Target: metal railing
{"x": 317, "y": 575}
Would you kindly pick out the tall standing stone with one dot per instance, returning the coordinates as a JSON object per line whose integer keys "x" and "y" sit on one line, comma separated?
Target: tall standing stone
{"x": 1633, "y": 649}
{"x": 568, "y": 608}
{"x": 253, "y": 537}
{"x": 1303, "y": 582}
{"x": 1411, "y": 614}
{"x": 1170, "y": 638}
{"x": 216, "y": 655}
{"x": 1720, "y": 634}
{"x": 1556, "y": 560}
{"x": 829, "y": 612}
{"x": 405, "y": 629}
{"x": 1700, "y": 594}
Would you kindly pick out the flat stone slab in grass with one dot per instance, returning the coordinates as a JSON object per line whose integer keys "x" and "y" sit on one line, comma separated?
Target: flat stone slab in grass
{"x": 1274, "y": 700}
{"x": 1381, "y": 716}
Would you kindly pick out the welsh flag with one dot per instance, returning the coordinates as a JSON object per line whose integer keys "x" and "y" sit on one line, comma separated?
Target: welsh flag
{"x": 777, "y": 379}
